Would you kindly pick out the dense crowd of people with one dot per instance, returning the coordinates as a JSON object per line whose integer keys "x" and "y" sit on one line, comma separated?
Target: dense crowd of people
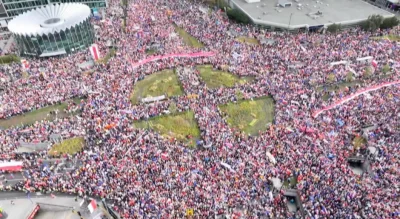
{"x": 230, "y": 172}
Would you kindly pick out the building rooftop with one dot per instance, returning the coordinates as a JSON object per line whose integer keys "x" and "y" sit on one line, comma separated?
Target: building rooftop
{"x": 304, "y": 13}
{"x": 49, "y": 19}
{"x": 58, "y": 207}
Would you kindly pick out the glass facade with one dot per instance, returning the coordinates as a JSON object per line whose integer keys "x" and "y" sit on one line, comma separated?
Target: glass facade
{"x": 91, "y": 3}
{"x": 16, "y": 7}
{"x": 76, "y": 38}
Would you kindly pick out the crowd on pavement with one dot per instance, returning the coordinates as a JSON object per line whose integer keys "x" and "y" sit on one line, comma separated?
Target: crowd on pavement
{"x": 230, "y": 172}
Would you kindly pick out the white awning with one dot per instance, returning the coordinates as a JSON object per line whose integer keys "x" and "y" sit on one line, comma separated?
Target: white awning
{"x": 54, "y": 53}
{"x": 49, "y": 19}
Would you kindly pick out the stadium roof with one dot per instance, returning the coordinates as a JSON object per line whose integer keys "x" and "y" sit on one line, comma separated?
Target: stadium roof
{"x": 308, "y": 13}
{"x": 49, "y": 19}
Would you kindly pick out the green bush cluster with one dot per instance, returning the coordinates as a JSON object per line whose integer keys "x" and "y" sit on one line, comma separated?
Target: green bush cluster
{"x": 238, "y": 16}
{"x": 9, "y": 59}
{"x": 375, "y": 22}
{"x": 334, "y": 28}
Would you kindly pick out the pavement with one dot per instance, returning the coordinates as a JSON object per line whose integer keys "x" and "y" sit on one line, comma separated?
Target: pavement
{"x": 10, "y": 179}
{"x": 59, "y": 207}
{"x": 8, "y": 44}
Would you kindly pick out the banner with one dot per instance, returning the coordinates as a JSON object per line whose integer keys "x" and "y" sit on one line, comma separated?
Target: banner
{"x": 94, "y": 50}
{"x": 352, "y": 96}
{"x": 25, "y": 64}
{"x": 33, "y": 213}
{"x": 11, "y": 166}
{"x": 92, "y": 206}
{"x": 179, "y": 55}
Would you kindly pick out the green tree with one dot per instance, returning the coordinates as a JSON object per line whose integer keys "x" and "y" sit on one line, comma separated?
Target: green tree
{"x": 334, "y": 28}
{"x": 389, "y": 23}
{"x": 372, "y": 23}
{"x": 238, "y": 16}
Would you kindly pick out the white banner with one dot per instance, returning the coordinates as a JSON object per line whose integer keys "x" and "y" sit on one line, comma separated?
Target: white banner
{"x": 94, "y": 50}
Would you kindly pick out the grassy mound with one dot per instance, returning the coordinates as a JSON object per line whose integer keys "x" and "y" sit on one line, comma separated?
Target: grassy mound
{"x": 7, "y": 59}
{"x": 216, "y": 79}
{"x": 250, "y": 116}
{"x": 157, "y": 84}
{"x": 68, "y": 146}
{"x": 37, "y": 115}
{"x": 188, "y": 39}
{"x": 359, "y": 141}
{"x": 249, "y": 40}
{"x": 178, "y": 126}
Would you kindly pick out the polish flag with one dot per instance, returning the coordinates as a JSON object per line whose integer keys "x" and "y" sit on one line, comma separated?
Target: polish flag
{"x": 164, "y": 156}
{"x": 374, "y": 63}
{"x": 11, "y": 166}
{"x": 92, "y": 206}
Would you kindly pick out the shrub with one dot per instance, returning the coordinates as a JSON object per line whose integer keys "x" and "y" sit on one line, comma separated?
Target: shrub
{"x": 372, "y": 23}
{"x": 389, "y": 23}
{"x": 334, "y": 28}
{"x": 349, "y": 77}
{"x": 238, "y": 16}
{"x": 386, "y": 68}
{"x": 331, "y": 78}
{"x": 9, "y": 59}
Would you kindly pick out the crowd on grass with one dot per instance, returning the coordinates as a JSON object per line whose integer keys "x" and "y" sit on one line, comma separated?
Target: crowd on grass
{"x": 230, "y": 172}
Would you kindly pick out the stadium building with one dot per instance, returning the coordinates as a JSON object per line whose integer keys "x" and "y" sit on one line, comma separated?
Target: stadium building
{"x": 12, "y": 8}
{"x": 54, "y": 29}
{"x": 306, "y": 14}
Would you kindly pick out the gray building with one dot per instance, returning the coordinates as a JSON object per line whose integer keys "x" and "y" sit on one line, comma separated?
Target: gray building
{"x": 306, "y": 14}
{"x": 53, "y": 29}
{"x": 12, "y": 8}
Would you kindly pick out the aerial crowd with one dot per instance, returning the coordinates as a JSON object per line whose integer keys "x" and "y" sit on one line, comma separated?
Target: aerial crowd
{"x": 230, "y": 173}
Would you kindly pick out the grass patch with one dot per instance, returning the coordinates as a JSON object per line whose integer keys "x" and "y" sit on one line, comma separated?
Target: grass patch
{"x": 250, "y": 116}
{"x": 37, "y": 115}
{"x": 108, "y": 56}
{"x": 249, "y": 40}
{"x": 359, "y": 141}
{"x": 69, "y": 146}
{"x": 157, "y": 84}
{"x": 290, "y": 182}
{"x": 150, "y": 51}
{"x": 339, "y": 86}
{"x": 7, "y": 59}
{"x": 216, "y": 79}
{"x": 177, "y": 126}
{"x": 390, "y": 37}
{"x": 188, "y": 39}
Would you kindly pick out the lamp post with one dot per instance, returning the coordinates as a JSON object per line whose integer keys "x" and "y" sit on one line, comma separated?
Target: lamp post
{"x": 290, "y": 20}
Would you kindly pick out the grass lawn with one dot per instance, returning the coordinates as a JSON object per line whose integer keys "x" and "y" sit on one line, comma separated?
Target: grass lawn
{"x": 68, "y": 146}
{"x": 108, "y": 56}
{"x": 250, "y": 116}
{"x": 388, "y": 37}
{"x": 150, "y": 51}
{"x": 216, "y": 79}
{"x": 188, "y": 39}
{"x": 157, "y": 84}
{"x": 174, "y": 126}
{"x": 359, "y": 141}
{"x": 37, "y": 115}
{"x": 249, "y": 40}
{"x": 291, "y": 184}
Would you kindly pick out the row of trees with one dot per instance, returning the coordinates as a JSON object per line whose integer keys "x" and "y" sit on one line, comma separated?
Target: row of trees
{"x": 373, "y": 23}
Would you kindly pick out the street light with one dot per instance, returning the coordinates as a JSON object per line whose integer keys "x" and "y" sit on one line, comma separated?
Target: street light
{"x": 290, "y": 20}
